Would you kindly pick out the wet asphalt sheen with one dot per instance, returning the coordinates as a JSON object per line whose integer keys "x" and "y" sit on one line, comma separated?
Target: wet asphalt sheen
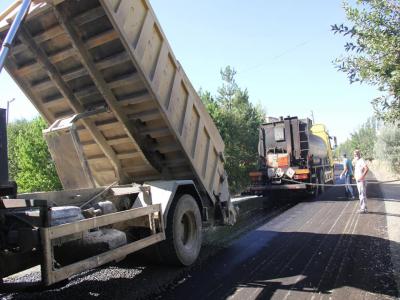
{"x": 322, "y": 249}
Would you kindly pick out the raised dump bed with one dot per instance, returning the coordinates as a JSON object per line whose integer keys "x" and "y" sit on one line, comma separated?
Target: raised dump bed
{"x": 106, "y": 68}
{"x": 120, "y": 111}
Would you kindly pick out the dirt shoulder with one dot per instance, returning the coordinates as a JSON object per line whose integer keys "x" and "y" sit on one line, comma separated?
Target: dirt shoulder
{"x": 381, "y": 171}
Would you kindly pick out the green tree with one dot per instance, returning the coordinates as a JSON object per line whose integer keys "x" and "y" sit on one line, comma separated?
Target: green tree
{"x": 373, "y": 52}
{"x": 238, "y": 121}
{"x": 13, "y": 130}
{"x": 363, "y": 139}
{"x": 345, "y": 148}
{"x": 30, "y": 162}
{"x": 387, "y": 146}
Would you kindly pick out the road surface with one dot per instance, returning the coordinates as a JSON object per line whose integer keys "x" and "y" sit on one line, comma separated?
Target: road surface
{"x": 322, "y": 249}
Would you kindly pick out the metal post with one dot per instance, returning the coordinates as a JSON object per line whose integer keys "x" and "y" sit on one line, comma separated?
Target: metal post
{"x": 13, "y": 32}
{"x": 8, "y": 109}
{"x": 3, "y": 149}
{"x": 312, "y": 116}
{"x": 46, "y": 265}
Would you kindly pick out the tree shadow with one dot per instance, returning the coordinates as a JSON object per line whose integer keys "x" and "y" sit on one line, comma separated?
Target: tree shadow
{"x": 266, "y": 260}
{"x": 389, "y": 192}
{"x": 298, "y": 261}
{"x": 361, "y": 262}
{"x": 383, "y": 214}
{"x": 289, "y": 261}
{"x": 304, "y": 261}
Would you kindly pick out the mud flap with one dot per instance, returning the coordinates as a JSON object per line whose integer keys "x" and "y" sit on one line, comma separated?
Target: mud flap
{"x": 233, "y": 214}
{"x": 228, "y": 211}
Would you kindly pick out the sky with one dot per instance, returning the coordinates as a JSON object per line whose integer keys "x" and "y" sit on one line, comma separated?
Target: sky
{"x": 282, "y": 52}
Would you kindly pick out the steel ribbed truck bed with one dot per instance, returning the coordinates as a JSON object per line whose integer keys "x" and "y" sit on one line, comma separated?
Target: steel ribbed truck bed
{"x": 140, "y": 160}
{"x": 79, "y": 56}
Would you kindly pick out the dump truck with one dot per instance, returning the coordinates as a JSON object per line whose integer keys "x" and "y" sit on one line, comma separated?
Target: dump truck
{"x": 294, "y": 155}
{"x": 140, "y": 160}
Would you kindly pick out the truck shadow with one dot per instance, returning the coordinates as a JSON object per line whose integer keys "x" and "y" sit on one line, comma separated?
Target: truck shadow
{"x": 290, "y": 261}
{"x": 267, "y": 262}
{"x": 144, "y": 276}
{"x": 356, "y": 261}
{"x": 312, "y": 263}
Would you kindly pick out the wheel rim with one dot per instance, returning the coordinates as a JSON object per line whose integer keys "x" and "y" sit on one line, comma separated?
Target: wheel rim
{"x": 188, "y": 230}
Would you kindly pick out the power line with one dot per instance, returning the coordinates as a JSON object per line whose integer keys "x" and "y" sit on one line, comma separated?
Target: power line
{"x": 283, "y": 53}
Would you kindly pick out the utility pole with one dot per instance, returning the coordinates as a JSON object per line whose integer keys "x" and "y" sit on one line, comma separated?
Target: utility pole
{"x": 8, "y": 108}
{"x": 312, "y": 117}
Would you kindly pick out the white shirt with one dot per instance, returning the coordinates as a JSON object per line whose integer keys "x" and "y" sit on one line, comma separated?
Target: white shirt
{"x": 359, "y": 168}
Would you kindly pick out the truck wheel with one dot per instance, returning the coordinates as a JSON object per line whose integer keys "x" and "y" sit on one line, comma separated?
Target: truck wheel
{"x": 183, "y": 233}
{"x": 316, "y": 189}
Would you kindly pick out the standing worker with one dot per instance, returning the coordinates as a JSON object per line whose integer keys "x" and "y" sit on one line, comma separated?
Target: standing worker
{"x": 348, "y": 173}
{"x": 360, "y": 171}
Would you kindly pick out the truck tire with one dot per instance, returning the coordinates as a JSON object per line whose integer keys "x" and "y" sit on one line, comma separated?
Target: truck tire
{"x": 183, "y": 233}
{"x": 316, "y": 189}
